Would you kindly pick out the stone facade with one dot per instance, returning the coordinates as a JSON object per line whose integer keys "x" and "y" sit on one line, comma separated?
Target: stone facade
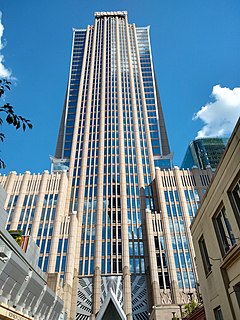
{"x": 216, "y": 234}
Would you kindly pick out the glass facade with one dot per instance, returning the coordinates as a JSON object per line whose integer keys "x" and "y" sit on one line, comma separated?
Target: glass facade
{"x": 204, "y": 153}
{"x": 111, "y": 78}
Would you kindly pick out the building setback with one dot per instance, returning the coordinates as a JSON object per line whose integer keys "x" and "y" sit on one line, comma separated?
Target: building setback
{"x": 113, "y": 218}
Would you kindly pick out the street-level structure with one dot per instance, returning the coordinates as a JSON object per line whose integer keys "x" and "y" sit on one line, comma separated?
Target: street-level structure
{"x": 25, "y": 290}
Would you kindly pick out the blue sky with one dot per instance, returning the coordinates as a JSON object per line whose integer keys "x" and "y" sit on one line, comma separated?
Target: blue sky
{"x": 195, "y": 48}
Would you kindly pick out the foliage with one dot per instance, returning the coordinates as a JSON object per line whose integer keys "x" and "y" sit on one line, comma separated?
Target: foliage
{"x": 190, "y": 307}
{"x": 17, "y": 236}
{"x": 11, "y": 117}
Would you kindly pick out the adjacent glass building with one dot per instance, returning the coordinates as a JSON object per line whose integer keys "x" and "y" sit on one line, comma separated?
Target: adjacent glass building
{"x": 113, "y": 217}
{"x": 204, "y": 152}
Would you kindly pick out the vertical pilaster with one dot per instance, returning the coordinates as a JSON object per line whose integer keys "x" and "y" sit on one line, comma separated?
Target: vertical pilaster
{"x": 57, "y": 222}
{"x": 134, "y": 110}
{"x": 99, "y": 210}
{"x": 168, "y": 238}
{"x": 76, "y": 222}
{"x": 39, "y": 204}
{"x": 69, "y": 274}
{"x": 125, "y": 241}
{"x": 19, "y": 204}
{"x": 152, "y": 259}
{"x": 9, "y": 186}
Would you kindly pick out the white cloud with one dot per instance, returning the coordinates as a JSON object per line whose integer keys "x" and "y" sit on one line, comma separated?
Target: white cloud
{"x": 221, "y": 115}
{"x": 4, "y": 72}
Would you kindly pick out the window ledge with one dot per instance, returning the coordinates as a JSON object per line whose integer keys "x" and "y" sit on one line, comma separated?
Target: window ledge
{"x": 231, "y": 256}
{"x": 208, "y": 274}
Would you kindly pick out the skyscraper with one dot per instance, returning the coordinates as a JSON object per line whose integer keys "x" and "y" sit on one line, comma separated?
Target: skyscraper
{"x": 204, "y": 152}
{"x": 111, "y": 132}
{"x": 113, "y": 217}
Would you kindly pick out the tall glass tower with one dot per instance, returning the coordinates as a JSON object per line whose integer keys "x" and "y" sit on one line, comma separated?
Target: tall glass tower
{"x": 112, "y": 219}
{"x": 112, "y": 135}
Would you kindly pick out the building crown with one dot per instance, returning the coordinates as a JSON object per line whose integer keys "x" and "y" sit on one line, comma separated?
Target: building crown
{"x": 110, "y": 13}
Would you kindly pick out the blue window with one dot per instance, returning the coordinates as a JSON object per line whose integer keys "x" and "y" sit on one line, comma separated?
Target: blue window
{"x": 189, "y": 264}
{"x": 166, "y": 196}
{"x": 91, "y": 266}
{"x": 40, "y": 262}
{"x": 168, "y": 210}
{"x": 86, "y": 267}
{"x": 176, "y": 195}
{"x": 174, "y": 246}
{"x": 63, "y": 263}
{"x": 171, "y": 196}
{"x": 174, "y": 211}
{"x": 191, "y": 195}
{"x": 65, "y": 247}
{"x": 103, "y": 265}
{"x": 180, "y": 282}
{"x": 45, "y": 266}
{"x": 48, "y": 246}
{"x": 192, "y": 279}
{"x": 185, "y": 242}
{"x": 57, "y": 264}
{"x": 182, "y": 260}
{"x": 179, "y": 241}
{"x": 185, "y": 276}
{"x": 179, "y": 209}
{"x": 132, "y": 265}
{"x": 176, "y": 259}
{"x": 59, "y": 245}
{"x": 80, "y": 266}
{"x": 186, "y": 195}
{"x": 42, "y": 246}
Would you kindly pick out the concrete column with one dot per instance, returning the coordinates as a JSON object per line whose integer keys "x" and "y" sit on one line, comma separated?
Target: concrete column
{"x": 19, "y": 204}
{"x": 82, "y": 182}
{"x": 69, "y": 273}
{"x": 11, "y": 178}
{"x": 134, "y": 111}
{"x": 167, "y": 236}
{"x": 152, "y": 259}
{"x": 127, "y": 299}
{"x": 57, "y": 222}
{"x": 74, "y": 266}
{"x": 39, "y": 204}
{"x": 99, "y": 210}
{"x": 144, "y": 108}
{"x": 74, "y": 240}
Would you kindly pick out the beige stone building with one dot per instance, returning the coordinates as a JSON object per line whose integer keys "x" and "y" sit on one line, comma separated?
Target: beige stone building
{"x": 216, "y": 237}
{"x": 26, "y": 292}
{"x": 36, "y": 204}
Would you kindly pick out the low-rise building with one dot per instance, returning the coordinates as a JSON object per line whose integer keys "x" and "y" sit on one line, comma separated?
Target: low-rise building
{"x": 24, "y": 290}
{"x": 216, "y": 237}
